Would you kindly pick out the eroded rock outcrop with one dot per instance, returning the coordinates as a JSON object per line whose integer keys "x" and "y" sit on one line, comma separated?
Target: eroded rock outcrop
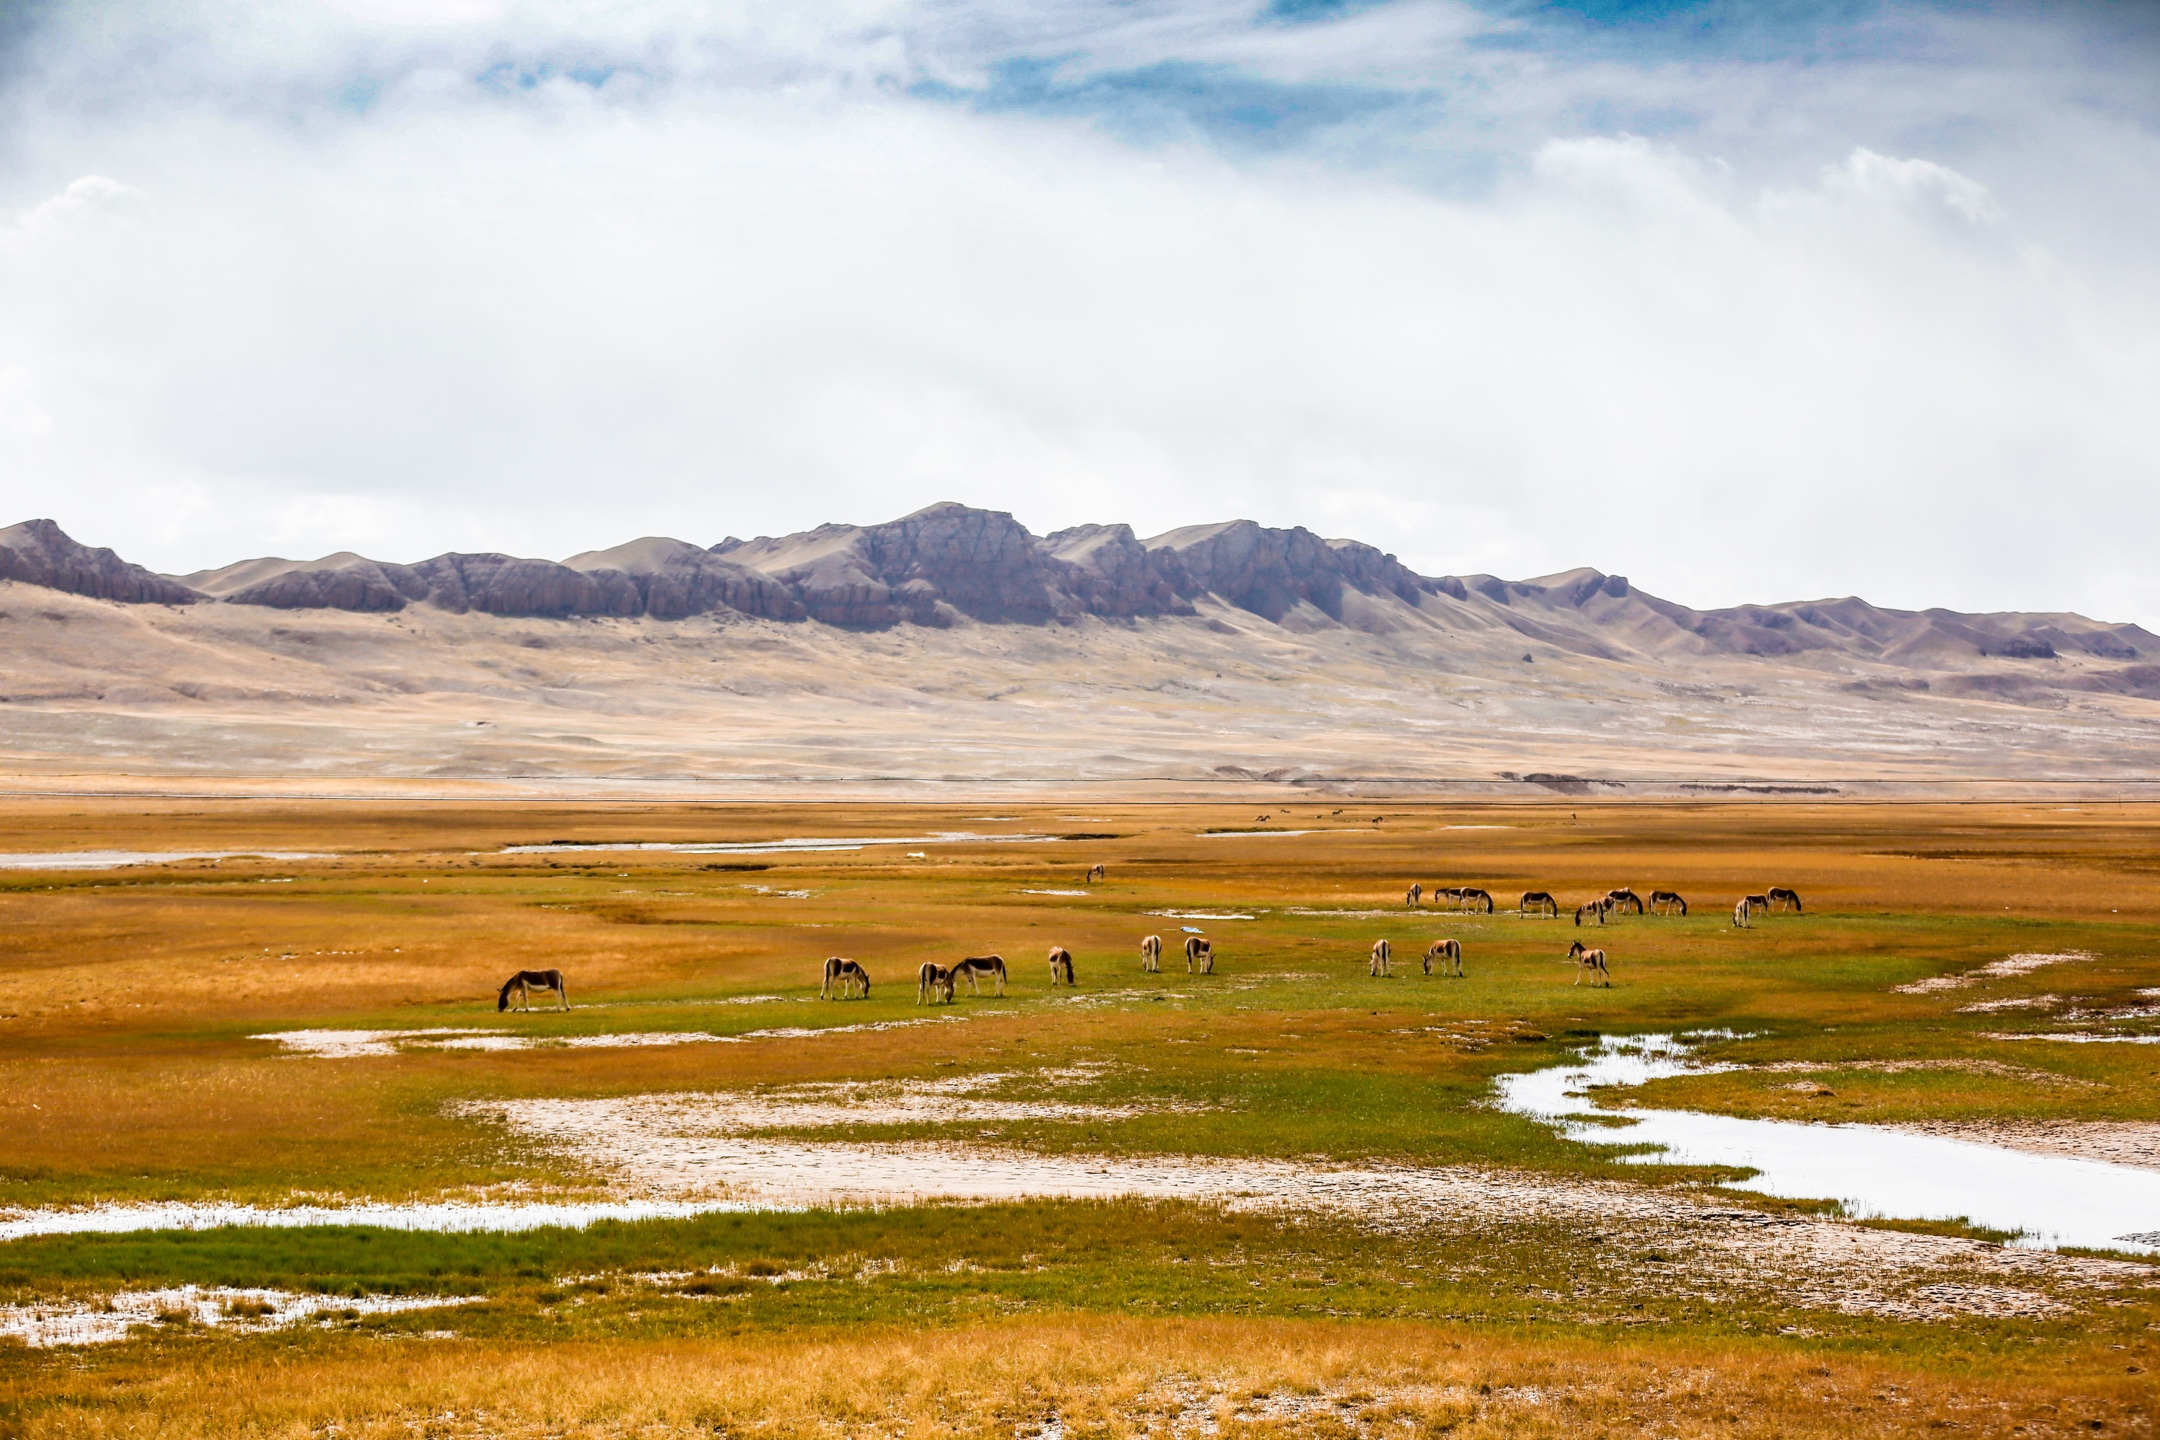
{"x": 39, "y": 552}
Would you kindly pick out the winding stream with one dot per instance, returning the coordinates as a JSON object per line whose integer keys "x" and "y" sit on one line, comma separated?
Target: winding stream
{"x": 2048, "y": 1200}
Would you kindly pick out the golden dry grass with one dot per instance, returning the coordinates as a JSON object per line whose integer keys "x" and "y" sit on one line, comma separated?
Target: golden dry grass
{"x": 1063, "y": 1375}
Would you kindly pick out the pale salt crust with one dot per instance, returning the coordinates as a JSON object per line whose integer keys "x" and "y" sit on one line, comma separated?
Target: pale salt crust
{"x": 1198, "y": 915}
{"x": 352, "y": 1044}
{"x": 791, "y": 845}
{"x": 1081, "y": 893}
{"x": 115, "y": 859}
{"x": 2004, "y": 968}
{"x": 110, "y": 1319}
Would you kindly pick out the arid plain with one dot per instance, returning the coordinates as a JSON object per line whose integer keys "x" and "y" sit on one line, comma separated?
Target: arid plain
{"x": 1281, "y": 1198}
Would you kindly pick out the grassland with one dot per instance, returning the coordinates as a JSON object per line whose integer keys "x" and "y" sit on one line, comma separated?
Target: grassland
{"x": 128, "y": 1073}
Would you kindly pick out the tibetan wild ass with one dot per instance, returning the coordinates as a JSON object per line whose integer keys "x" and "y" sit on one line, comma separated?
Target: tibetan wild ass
{"x": 981, "y": 967}
{"x": 1741, "y": 910}
{"x": 1151, "y": 953}
{"x": 1414, "y": 894}
{"x": 1665, "y": 901}
{"x": 1383, "y": 959}
{"x": 1588, "y": 962}
{"x": 1061, "y": 969}
{"x": 1780, "y": 897}
{"x": 1623, "y": 898}
{"x": 1476, "y": 900}
{"x": 1199, "y": 955}
{"x": 933, "y": 983}
{"x": 527, "y": 981}
{"x": 1448, "y": 953}
{"x": 1540, "y": 901}
{"x": 844, "y": 977}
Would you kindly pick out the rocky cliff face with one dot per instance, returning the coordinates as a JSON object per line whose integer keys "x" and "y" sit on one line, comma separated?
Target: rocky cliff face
{"x": 38, "y": 552}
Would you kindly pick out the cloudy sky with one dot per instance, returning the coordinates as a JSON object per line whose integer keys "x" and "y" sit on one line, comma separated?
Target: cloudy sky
{"x": 1745, "y": 301}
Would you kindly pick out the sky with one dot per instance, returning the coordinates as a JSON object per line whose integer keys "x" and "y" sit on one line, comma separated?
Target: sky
{"x": 1755, "y": 301}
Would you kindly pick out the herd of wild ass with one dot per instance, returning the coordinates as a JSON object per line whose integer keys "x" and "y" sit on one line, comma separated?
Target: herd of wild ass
{"x": 935, "y": 984}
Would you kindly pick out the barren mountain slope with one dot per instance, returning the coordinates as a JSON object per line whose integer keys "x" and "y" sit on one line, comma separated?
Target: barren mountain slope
{"x": 1435, "y": 691}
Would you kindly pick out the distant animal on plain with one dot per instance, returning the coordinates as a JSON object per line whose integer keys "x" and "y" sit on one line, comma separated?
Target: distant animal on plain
{"x": 1540, "y": 901}
{"x": 1383, "y": 959}
{"x": 1623, "y": 898}
{"x": 1151, "y": 954}
{"x": 1780, "y": 897}
{"x": 1199, "y": 955}
{"x": 1663, "y": 901}
{"x": 933, "y": 983}
{"x": 1413, "y": 895}
{"x": 1097, "y": 872}
{"x": 1741, "y": 911}
{"x": 1588, "y": 962}
{"x": 1597, "y": 910}
{"x": 1061, "y": 966}
{"x": 1450, "y": 894}
{"x": 844, "y": 977}
{"x": 1759, "y": 902}
{"x": 1476, "y": 900}
{"x": 527, "y": 981}
{"x": 1260, "y": 819}
{"x": 1448, "y": 953}
{"x": 977, "y": 968}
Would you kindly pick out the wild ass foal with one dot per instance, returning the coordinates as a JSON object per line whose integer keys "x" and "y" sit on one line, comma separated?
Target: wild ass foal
{"x": 527, "y": 981}
{"x": 844, "y": 977}
{"x": 1061, "y": 966}
{"x": 1199, "y": 955}
{"x": 1383, "y": 959}
{"x": 978, "y": 967}
{"x": 1448, "y": 953}
{"x": 1588, "y": 961}
{"x": 1151, "y": 954}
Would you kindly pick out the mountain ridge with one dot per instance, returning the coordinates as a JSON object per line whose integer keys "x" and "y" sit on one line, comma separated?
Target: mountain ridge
{"x": 952, "y": 564}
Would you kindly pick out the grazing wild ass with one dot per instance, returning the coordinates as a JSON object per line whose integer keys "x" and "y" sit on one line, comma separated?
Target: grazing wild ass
{"x": 1151, "y": 954}
{"x": 1540, "y": 901}
{"x": 1597, "y": 910}
{"x": 1758, "y": 902}
{"x": 1448, "y": 953}
{"x": 844, "y": 977}
{"x": 1061, "y": 969}
{"x": 1096, "y": 872}
{"x": 1199, "y": 955}
{"x": 1780, "y": 897}
{"x": 1588, "y": 962}
{"x": 527, "y": 981}
{"x": 980, "y": 967}
{"x": 1476, "y": 900}
{"x": 1383, "y": 959}
{"x": 933, "y": 983}
{"x": 1741, "y": 911}
{"x": 1622, "y": 898}
{"x": 1662, "y": 901}
{"x": 1414, "y": 894}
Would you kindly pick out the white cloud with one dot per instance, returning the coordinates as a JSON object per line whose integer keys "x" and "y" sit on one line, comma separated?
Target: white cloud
{"x": 546, "y": 316}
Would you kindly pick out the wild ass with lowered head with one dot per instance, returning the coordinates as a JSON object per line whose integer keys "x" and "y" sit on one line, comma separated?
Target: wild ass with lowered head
{"x": 1061, "y": 966}
{"x": 1780, "y": 897}
{"x": 527, "y": 981}
{"x": 1448, "y": 953}
{"x": 1540, "y": 901}
{"x": 980, "y": 967}
{"x": 1383, "y": 958}
{"x": 933, "y": 983}
{"x": 1664, "y": 901}
{"x": 1199, "y": 955}
{"x": 1151, "y": 953}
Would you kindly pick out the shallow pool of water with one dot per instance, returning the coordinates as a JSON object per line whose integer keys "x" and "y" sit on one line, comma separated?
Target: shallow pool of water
{"x": 2049, "y": 1200}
